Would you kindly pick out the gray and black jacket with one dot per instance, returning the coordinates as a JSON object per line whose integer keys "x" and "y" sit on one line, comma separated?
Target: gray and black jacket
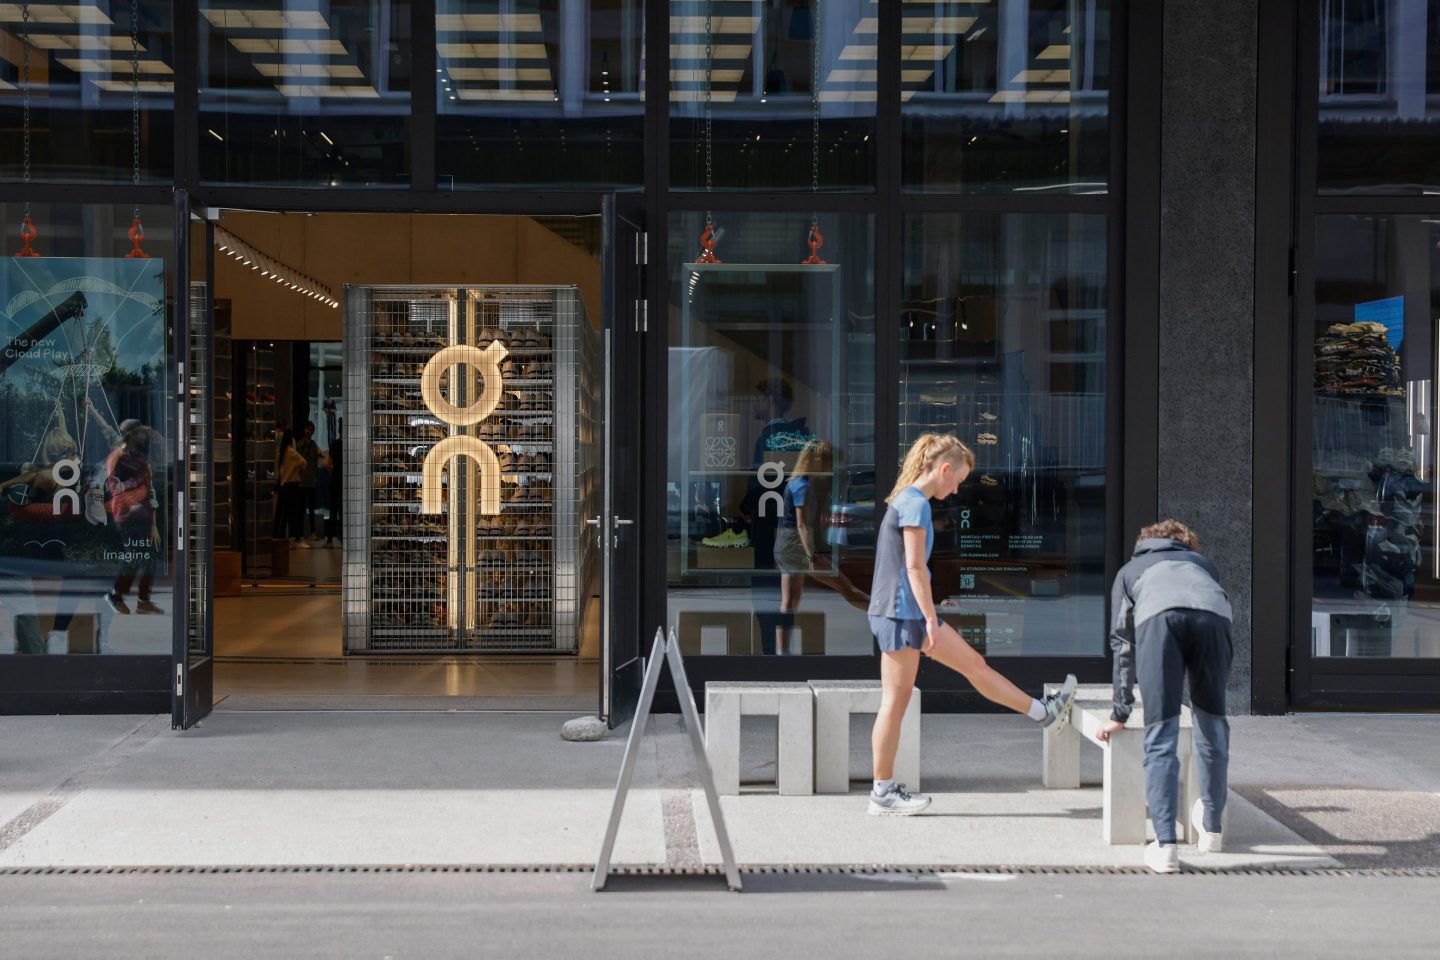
{"x": 1162, "y": 575}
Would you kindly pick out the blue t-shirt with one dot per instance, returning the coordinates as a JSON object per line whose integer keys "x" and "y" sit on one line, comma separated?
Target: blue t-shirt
{"x": 794, "y": 496}
{"x": 890, "y": 593}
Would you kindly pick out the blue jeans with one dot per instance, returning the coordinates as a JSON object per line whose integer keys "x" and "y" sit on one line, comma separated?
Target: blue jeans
{"x": 1162, "y": 770}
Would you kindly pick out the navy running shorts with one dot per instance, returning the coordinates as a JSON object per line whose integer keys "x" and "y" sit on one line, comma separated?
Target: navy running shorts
{"x": 895, "y": 635}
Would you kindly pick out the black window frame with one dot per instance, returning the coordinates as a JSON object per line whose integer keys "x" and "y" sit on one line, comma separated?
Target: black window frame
{"x": 1131, "y": 205}
{"x": 1289, "y": 204}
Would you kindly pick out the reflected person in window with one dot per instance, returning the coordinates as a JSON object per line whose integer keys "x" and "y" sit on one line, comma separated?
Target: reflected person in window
{"x": 781, "y": 433}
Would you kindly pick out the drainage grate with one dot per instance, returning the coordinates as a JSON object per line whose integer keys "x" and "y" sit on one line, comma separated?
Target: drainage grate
{"x": 662, "y": 870}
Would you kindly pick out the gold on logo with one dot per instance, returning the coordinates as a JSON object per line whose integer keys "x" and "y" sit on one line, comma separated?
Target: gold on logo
{"x": 487, "y": 363}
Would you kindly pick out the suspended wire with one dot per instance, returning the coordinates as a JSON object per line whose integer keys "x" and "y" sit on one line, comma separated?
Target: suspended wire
{"x": 815, "y": 106}
{"x": 25, "y": 88}
{"x": 709, "y": 83}
{"x": 135, "y": 96}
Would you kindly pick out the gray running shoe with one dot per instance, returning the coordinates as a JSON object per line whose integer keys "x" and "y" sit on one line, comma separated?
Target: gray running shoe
{"x": 1058, "y": 704}
{"x": 899, "y": 802}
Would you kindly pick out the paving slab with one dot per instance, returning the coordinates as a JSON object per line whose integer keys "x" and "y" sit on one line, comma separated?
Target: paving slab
{"x": 39, "y": 754}
{"x": 251, "y": 787}
{"x": 353, "y": 788}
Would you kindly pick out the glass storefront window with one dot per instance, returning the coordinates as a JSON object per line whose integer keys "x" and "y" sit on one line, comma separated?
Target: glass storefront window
{"x": 82, "y": 68}
{"x": 770, "y": 477}
{"x": 86, "y": 436}
{"x": 1376, "y": 564}
{"x": 1379, "y": 96}
{"x": 1012, "y": 96}
{"x": 779, "y": 80}
{"x": 305, "y": 93}
{"x": 540, "y": 93}
{"x": 1003, "y": 337}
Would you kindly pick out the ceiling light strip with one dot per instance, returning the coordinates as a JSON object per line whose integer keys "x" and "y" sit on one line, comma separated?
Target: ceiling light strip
{"x": 271, "y": 269}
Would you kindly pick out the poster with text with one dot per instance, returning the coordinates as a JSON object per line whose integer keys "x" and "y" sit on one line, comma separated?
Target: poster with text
{"x": 82, "y": 408}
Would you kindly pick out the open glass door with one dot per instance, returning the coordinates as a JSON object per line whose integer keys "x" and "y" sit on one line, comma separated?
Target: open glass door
{"x": 624, "y": 258}
{"x": 194, "y": 665}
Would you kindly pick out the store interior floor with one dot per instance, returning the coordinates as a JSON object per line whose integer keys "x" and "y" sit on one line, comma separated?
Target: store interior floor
{"x": 278, "y": 646}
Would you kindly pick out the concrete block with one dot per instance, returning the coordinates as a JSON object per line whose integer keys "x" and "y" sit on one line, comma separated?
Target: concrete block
{"x": 791, "y": 703}
{"x": 1123, "y": 790}
{"x": 1123, "y": 804}
{"x": 835, "y": 701}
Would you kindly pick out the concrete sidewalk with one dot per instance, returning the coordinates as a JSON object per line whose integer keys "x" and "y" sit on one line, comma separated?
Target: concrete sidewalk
{"x": 503, "y": 788}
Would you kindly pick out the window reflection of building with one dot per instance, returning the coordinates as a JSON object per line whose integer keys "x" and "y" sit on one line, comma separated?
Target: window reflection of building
{"x": 1379, "y": 74}
{"x": 1374, "y": 524}
{"x": 1003, "y": 342}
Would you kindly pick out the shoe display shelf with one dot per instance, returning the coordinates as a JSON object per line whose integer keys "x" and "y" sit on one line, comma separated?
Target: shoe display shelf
{"x": 465, "y": 580}
{"x": 223, "y": 483}
{"x": 258, "y": 420}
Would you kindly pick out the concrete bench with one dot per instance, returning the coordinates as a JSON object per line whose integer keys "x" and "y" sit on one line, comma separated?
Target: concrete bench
{"x": 835, "y": 700}
{"x": 794, "y": 706}
{"x": 1124, "y": 771}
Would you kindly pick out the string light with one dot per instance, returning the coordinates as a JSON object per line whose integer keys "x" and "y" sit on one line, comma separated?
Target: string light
{"x": 287, "y": 277}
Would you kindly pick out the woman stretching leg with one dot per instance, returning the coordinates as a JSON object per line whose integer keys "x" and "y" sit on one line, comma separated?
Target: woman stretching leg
{"x": 905, "y": 624}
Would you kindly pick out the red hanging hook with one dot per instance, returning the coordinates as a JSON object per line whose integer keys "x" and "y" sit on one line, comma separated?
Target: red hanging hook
{"x": 137, "y": 234}
{"x": 814, "y": 240}
{"x": 27, "y": 233}
{"x": 707, "y": 244}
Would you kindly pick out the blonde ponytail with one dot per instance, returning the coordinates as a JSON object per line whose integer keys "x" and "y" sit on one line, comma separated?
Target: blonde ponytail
{"x": 930, "y": 449}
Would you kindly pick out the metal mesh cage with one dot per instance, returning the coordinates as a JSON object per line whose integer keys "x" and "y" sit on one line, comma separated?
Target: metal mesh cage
{"x": 466, "y": 578}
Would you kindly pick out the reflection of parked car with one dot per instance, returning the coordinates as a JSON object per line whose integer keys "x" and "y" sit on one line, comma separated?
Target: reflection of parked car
{"x": 852, "y": 522}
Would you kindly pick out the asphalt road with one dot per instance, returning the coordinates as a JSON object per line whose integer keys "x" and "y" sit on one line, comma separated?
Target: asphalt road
{"x": 385, "y": 916}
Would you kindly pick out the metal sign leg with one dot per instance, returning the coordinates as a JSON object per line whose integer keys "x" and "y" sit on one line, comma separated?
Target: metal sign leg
{"x": 665, "y": 653}
{"x": 627, "y": 766}
{"x": 702, "y": 760}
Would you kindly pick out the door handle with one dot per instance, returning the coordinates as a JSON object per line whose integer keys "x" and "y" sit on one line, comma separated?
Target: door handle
{"x": 624, "y": 523}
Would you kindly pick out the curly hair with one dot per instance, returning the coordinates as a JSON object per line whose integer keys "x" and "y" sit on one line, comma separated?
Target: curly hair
{"x": 1170, "y": 529}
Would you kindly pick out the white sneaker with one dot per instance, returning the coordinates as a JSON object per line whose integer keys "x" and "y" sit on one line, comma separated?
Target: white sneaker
{"x": 1162, "y": 859}
{"x": 1208, "y": 842}
{"x": 899, "y": 802}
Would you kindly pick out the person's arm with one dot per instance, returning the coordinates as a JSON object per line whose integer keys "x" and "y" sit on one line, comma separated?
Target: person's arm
{"x": 111, "y": 435}
{"x": 807, "y": 537}
{"x": 919, "y": 576}
{"x": 1122, "y": 644}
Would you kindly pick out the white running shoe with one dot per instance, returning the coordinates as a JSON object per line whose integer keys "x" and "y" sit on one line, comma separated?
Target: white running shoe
{"x": 899, "y": 802}
{"x": 1208, "y": 842}
{"x": 1162, "y": 859}
{"x": 1058, "y": 704}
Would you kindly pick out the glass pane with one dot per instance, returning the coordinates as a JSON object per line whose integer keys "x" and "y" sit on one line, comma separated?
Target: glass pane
{"x": 770, "y": 474}
{"x": 1376, "y": 580}
{"x": 540, "y": 92}
{"x": 1003, "y": 343}
{"x": 305, "y": 92}
{"x": 82, "y": 68}
{"x": 87, "y": 490}
{"x": 786, "y": 93}
{"x": 1012, "y": 96}
{"x": 1379, "y": 96}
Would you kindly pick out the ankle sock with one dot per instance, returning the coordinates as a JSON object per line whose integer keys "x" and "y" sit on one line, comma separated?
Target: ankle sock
{"x": 882, "y": 787}
{"x": 1037, "y": 710}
